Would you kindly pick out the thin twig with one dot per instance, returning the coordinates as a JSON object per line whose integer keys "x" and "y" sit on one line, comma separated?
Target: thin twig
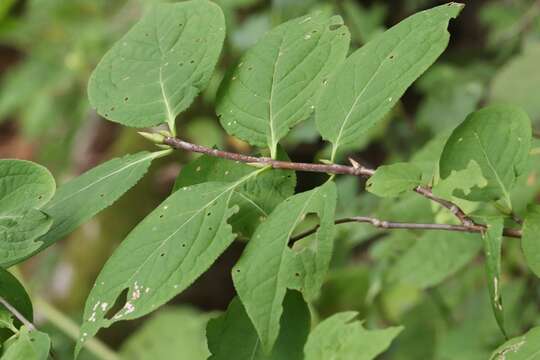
{"x": 17, "y": 314}
{"x": 383, "y": 224}
{"x": 467, "y": 224}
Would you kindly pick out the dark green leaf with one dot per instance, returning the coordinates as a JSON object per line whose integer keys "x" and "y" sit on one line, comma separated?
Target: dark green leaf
{"x": 28, "y": 345}
{"x": 530, "y": 241}
{"x": 15, "y": 295}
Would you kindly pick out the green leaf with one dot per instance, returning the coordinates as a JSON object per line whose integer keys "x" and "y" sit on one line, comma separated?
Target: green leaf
{"x": 23, "y": 185}
{"x": 167, "y": 334}
{"x": 530, "y": 241}
{"x": 492, "y": 251}
{"x": 393, "y": 180}
{"x": 340, "y": 338}
{"x": 498, "y": 139}
{"x": 276, "y": 84}
{"x": 368, "y": 84}
{"x": 28, "y": 345}
{"x": 462, "y": 180}
{"x": 517, "y": 82}
{"x": 15, "y": 295}
{"x": 434, "y": 257}
{"x": 156, "y": 70}
{"x": 163, "y": 254}
{"x": 255, "y": 198}
{"x": 526, "y": 347}
{"x": 81, "y": 198}
{"x": 232, "y": 335}
{"x": 262, "y": 288}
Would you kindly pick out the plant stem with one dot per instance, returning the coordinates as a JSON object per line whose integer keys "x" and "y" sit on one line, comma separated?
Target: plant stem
{"x": 71, "y": 329}
{"x": 17, "y": 314}
{"x": 467, "y": 224}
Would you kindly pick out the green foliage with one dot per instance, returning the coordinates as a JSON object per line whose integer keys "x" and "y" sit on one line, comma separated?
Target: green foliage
{"x": 28, "y": 345}
{"x": 520, "y": 348}
{"x": 392, "y": 180}
{"x": 370, "y": 82}
{"x": 232, "y": 335}
{"x": 461, "y": 180}
{"x": 301, "y": 268}
{"x": 276, "y": 84}
{"x": 156, "y": 70}
{"x": 340, "y": 338}
{"x": 530, "y": 242}
{"x": 15, "y": 295}
{"x": 498, "y": 139}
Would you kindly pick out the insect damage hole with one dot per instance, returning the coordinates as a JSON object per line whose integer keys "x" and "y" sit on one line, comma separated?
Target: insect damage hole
{"x": 302, "y": 235}
{"x": 118, "y": 305}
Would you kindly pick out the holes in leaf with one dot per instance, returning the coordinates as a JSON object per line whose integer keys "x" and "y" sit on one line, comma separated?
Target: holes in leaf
{"x": 126, "y": 99}
{"x": 40, "y": 197}
{"x": 161, "y": 216}
{"x": 183, "y": 245}
{"x": 334, "y": 27}
{"x": 162, "y": 254}
{"x": 297, "y": 274}
{"x": 304, "y": 230}
{"x": 101, "y": 195}
{"x": 180, "y": 64}
{"x": 118, "y": 304}
{"x": 192, "y": 61}
{"x": 391, "y": 57}
{"x": 112, "y": 108}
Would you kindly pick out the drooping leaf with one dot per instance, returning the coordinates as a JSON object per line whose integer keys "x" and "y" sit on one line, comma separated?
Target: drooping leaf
{"x": 392, "y": 180}
{"x": 276, "y": 84}
{"x": 530, "y": 241}
{"x": 156, "y": 70}
{"x": 492, "y": 251}
{"x": 84, "y": 196}
{"x": 525, "y": 347}
{"x": 15, "y": 295}
{"x": 169, "y": 333}
{"x": 23, "y": 185}
{"x": 255, "y": 198}
{"x": 163, "y": 254}
{"x": 262, "y": 288}
{"x": 461, "y": 180}
{"x": 498, "y": 139}
{"x": 338, "y": 337}
{"x": 232, "y": 335}
{"x": 28, "y": 345}
{"x": 368, "y": 84}
{"x": 434, "y": 257}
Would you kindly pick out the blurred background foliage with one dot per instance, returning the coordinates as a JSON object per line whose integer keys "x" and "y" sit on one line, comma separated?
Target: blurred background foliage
{"x": 48, "y": 49}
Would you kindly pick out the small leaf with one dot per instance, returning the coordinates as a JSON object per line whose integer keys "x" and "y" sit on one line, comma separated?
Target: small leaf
{"x": 340, "y": 338}
{"x": 170, "y": 332}
{"x": 526, "y": 347}
{"x": 262, "y": 288}
{"x": 156, "y": 70}
{"x": 28, "y": 345}
{"x": 498, "y": 139}
{"x": 530, "y": 241}
{"x": 81, "y": 198}
{"x": 463, "y": 180}
{"x": 15, "y": 295}
{"x": 492, "y": 250}
{"x": 276, "y": 84}
{"x": 434, "y": 257}
{"x": 255, "y": 198}
{"x": 232, "y": 335}
{"x": 368, "y": 84}
{"x": 393, "y": 180}
{"x": 163, "y": 254}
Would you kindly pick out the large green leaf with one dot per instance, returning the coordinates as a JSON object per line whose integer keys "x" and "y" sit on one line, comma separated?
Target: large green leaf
{"x": 81, "y": 198}
{"x": 434, "y": 257}
{"x": 392, "y": 180}
{"x": 460, "y": 180}
{"x": 530, "y": 242}
{"x": 276, "y": 84}
{"x": 15, "y": 295}
{"x": 155, "y": 71}
{"x": 492, "y": 250}
{"x": 24, "y": 188}
{"x": 23, "y": 185}
{"x": 368, "y": 84}
{"x": 163, "y": 254}
{"x": 255, "y": 198}
{"x": 340, "y": 338}
{"x": 169, "y": 333}
{"x": 28, "y": 345}
{"x": 498, "y": 139}
{"x": 526, "y": 347}
{"x": 232, "y": 335}
{"x": 268, "y": 266}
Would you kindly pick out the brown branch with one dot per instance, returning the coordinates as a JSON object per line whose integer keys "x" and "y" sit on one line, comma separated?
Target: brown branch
{"x": 467, "y": 224}
{"x": 383, "y": 224}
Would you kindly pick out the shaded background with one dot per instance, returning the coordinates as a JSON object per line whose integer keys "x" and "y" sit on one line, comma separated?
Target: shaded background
{"x": 48, "y": 49}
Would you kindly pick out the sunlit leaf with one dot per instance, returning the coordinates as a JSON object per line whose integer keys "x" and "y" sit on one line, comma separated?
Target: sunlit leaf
{"x": 156, "y": 70}
{"x": 460, "y": 180}
{"x": 530, "y": 241}
{"x": 392, "y": 180}
{"x": 28, "y": 345}
{"x": 526, "y": 347}
{"x": 276, "y": 84}
{"x": 368, "y": 84}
